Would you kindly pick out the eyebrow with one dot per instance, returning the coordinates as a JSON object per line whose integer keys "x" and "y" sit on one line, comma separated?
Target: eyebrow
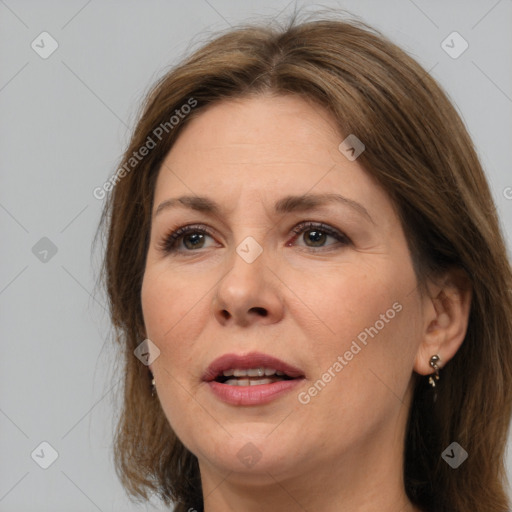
{"x": 287, "y": 204}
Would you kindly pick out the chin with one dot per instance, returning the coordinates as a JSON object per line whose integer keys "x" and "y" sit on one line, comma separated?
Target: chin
{"x": 252, "y": 456}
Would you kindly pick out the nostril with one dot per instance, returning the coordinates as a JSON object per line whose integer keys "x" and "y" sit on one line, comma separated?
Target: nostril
{"x": 261, "y": 311}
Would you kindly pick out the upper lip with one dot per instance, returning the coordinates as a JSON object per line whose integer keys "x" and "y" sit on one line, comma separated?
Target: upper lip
{"x": 246, "y": 361}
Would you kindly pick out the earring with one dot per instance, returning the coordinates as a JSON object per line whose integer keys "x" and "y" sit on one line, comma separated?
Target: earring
{"x": 435, "y": 377}
{"x": 152, "y": 387}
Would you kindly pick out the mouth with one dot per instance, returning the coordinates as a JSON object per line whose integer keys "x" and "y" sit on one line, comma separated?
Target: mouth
{"x": 251, "y": 376}
{"x": 255, "y": 367}
{"x": 251, "y": 379}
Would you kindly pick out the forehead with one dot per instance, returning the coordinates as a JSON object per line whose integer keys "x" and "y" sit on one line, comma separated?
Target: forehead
{"x": 261, "y": 147}
{"x": 258, "y": 131}
{"x": 266, "y": 114}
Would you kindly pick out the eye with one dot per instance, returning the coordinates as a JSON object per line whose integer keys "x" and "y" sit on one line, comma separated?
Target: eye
{"x": 193, "y": 237}
{"x": 315, "y": 234}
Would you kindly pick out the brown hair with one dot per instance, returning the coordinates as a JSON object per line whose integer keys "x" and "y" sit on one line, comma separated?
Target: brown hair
{"x": 419, "y": 151}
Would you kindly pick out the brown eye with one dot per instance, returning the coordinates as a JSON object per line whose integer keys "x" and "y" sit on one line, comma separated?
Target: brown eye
{"x": 196, "y": 240}
{"x": 315, "y": 235}
{"x": 193, "y": 237}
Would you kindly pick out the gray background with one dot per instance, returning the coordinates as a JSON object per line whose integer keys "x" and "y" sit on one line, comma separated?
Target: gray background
{"x": 65, "y": 121}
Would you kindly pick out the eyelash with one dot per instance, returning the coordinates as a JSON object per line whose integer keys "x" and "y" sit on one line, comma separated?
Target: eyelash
{"x": 169, "y": 242}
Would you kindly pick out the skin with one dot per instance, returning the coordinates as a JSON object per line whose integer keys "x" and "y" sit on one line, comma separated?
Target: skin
{"x": 302, "y": 303}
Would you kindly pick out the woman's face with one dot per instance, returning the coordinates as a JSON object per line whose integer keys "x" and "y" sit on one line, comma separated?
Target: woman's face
{"x": 324, "y": 286}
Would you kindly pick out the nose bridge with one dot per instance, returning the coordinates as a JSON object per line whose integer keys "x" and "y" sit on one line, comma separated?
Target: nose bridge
{"x": 246, "y": 275}
{"x": 246, "y": 291}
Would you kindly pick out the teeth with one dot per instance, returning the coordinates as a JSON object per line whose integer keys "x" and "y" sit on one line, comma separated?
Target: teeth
{"x": 251, "y": 372}
{"x": 249, "y": 382}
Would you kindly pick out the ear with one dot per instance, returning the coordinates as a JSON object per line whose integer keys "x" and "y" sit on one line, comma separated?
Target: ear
{"x": 445, "y": 319}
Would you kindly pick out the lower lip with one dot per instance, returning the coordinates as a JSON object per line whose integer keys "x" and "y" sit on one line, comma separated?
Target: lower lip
{"x": 252, "y": 395}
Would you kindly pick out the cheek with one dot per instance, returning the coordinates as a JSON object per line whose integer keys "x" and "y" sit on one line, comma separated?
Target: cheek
{"x": 174, "y": 312}
{"x": 173, "y": 320}
{"x": 168, "y": 298}
{"x": 362, "y": 372}
{"x": 368, "y": 316}
{"x": 176, "y": 309}
{"x": 336, "y": 303}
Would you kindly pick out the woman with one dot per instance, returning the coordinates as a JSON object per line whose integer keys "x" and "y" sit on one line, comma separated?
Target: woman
{"x": 309, "y": 284}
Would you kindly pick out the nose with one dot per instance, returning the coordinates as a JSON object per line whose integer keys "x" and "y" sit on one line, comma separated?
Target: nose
{"x": 249, "y": 293}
